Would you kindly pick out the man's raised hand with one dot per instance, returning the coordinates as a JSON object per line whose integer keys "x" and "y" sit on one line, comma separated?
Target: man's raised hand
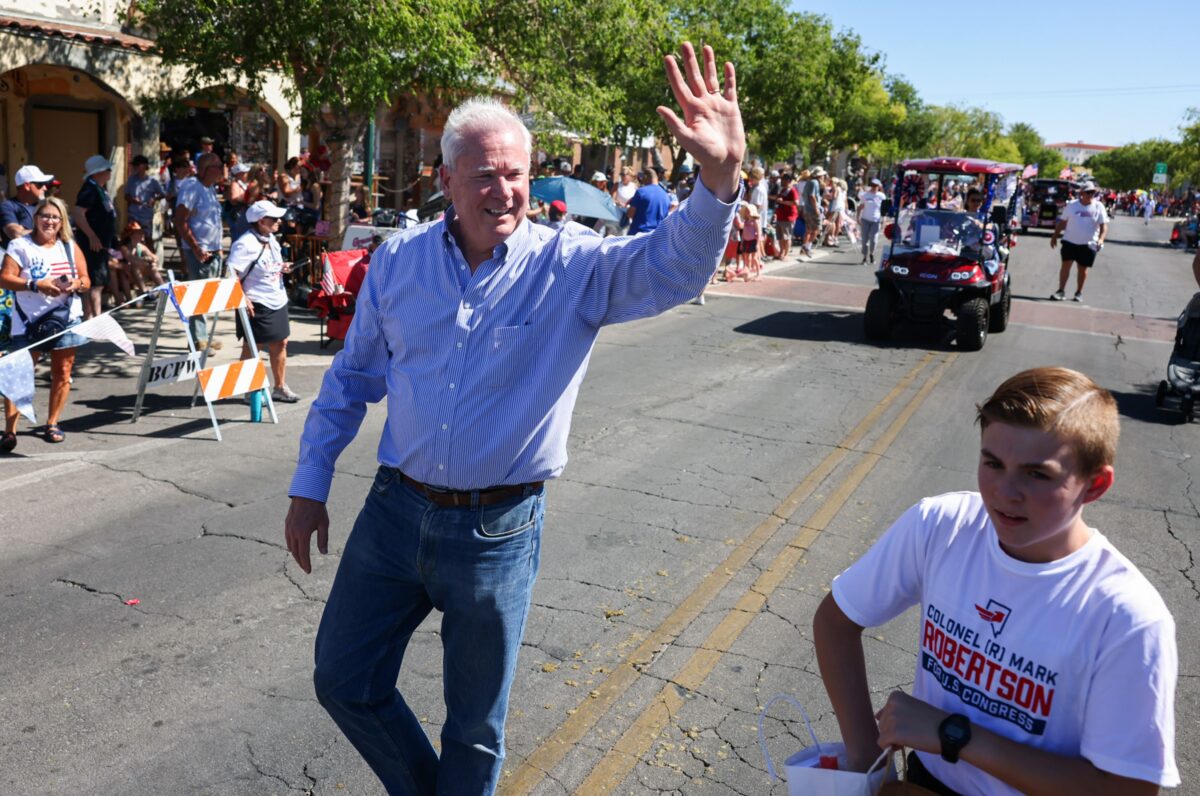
{"x": 711, "y": 128}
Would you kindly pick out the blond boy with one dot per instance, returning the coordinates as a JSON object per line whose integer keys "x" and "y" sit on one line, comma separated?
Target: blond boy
{"x": 1046, "y": 662}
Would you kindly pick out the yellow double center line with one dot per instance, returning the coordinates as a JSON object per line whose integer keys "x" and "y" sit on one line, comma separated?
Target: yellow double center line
{"x": 637, "y": 739}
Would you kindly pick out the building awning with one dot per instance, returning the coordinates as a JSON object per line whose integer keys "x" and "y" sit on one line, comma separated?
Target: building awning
{"x": 46, "y": 27}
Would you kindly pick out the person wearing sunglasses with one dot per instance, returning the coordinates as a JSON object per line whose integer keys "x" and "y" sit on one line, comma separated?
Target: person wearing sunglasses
{"x": 16, "y": 214}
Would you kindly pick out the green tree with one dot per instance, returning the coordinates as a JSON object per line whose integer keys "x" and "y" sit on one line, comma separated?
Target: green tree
{"x": 852, "y": 105}
{"x": 913, "y": 135}
{"x": 1034, "y": 150}
{"x": 340, "y": 66}
{"x": 1132, "y": 166}
{"x": 972, "y": 132}
{"x": 1187, "y": 156}
{"x": 573, "y": 65}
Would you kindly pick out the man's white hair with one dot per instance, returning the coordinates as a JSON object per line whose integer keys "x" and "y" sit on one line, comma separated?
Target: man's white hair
{"x": 478, "y": 113}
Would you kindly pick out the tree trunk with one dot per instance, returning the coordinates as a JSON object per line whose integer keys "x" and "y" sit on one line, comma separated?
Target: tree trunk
{"x": 341, "y": 156}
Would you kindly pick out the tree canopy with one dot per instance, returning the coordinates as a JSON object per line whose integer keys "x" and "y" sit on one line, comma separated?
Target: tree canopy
{"x": 590, "y": 70}
{"x": 1132, "y": 166}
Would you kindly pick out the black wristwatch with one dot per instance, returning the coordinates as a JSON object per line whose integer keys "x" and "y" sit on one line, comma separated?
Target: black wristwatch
{"x": 954, "y": 733}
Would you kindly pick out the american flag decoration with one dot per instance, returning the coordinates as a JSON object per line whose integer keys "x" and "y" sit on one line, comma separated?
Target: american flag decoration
{"x": 105, "y": 327}
{"x": 16, "y": 382}
{"x": 328, "y": 281}
{"x": 1030, "y": 172}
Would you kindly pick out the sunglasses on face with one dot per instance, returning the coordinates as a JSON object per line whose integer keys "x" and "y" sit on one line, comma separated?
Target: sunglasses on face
{"x": 49, "y": 219}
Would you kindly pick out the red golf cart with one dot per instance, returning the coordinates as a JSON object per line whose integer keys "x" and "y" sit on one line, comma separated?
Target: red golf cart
{"x": 943, "y": 258}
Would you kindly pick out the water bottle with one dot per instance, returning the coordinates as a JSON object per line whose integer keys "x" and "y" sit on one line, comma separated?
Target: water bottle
{"x": 256, "y": 402}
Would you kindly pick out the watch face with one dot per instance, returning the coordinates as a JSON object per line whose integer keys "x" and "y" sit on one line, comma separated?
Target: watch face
{"x": 955, "y": 732}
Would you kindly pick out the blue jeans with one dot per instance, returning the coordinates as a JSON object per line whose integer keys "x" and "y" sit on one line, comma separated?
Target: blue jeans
{"x": 405, "y": 557}
{"x": 199, "y": 270}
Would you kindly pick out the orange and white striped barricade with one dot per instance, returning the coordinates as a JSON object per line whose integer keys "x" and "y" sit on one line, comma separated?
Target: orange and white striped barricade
{"x": 204, "y": 297}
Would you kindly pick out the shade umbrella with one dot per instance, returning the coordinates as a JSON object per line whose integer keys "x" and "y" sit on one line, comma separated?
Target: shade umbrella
{"x": 580, "y": 198}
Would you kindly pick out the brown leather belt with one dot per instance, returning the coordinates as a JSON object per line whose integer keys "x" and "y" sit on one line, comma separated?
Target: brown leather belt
{"x": 483, "y": 497}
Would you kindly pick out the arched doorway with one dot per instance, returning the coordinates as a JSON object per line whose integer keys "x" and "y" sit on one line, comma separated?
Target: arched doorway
{"x": 57, "y": 116}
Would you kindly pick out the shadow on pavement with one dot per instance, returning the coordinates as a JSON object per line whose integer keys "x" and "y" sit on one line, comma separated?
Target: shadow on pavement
{"x": 298, "y": 347}
{"x": 114, "y": 409}
{"x": 842, "y": 326}
{"x": 1139, "y": 405}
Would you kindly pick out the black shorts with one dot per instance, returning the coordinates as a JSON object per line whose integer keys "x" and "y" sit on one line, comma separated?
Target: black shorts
{"x": 268, "y": 325}
{"x": 97, "y": 265}
{"x": 1079, "y": 252}
{"x": 748, "y": 246}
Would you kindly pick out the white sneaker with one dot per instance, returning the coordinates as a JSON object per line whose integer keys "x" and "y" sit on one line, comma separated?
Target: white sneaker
{"x": 698, "y": 300}
{"x": 1058, "y": 295}
{"x": 1078, "y": 298}
{"x": 284, "y": 394}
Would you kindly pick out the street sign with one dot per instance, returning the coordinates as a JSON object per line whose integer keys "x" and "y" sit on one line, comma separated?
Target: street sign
{"x": 1159, "y": 178}
{"x": 173, "y": 369}
{"x": 1160, "y": 168}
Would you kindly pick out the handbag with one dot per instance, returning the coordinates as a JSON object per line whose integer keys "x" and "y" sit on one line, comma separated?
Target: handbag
{"x": 806, "y": 772}
{"x": 50, "y": 323}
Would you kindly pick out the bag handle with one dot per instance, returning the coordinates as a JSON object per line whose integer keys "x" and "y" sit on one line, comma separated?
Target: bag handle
{"x": 762, "y": 739}
{"x": 880, "y": 762}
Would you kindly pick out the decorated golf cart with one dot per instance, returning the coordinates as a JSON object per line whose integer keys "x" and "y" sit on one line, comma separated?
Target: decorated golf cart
{"x": 947, "y": 257}
{"x": 1044, "y": 201}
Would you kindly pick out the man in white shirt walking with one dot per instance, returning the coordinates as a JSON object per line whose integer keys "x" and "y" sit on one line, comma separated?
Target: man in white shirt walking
{"x": 1082, "y": 226}
{"x": 870, "y": 212}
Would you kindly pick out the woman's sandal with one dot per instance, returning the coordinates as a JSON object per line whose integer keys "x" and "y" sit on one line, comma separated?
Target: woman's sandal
{"x": 8, "y": 441}
{"x": 53, "y": 433}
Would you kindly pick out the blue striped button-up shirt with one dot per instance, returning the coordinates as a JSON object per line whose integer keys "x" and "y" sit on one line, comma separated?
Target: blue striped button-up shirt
{"x": 481, "y": 369}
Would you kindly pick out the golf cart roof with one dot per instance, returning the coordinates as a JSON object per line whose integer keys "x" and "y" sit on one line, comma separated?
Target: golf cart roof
{"x": 949, "y": 165}
{"x": 1052, "y": 181}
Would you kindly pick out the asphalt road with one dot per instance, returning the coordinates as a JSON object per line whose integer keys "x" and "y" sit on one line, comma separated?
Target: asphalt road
{"x": 727, "y": 461}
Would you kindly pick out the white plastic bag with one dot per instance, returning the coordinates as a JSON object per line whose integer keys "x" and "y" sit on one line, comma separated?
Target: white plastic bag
{"x": 804, "y": 775}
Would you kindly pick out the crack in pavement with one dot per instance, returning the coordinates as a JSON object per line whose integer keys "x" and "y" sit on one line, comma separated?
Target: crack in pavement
{"x": 667, "y": 498}
{"x": 299, "y": 588}
{"x": 206, "y": 533}
{"x": 120, "y": 598}
{"x": 167, "y": 481}
{"x": 268, "y": 774}
{"x": 314, "y": 759}
{"x": 1191, "y": 559}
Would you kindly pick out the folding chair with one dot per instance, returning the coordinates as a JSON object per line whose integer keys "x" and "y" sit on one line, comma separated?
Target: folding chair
{"x": 333, "y": 301}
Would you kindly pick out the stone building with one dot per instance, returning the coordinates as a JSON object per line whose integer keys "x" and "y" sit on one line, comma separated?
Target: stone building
{"x": 73, "y": 83}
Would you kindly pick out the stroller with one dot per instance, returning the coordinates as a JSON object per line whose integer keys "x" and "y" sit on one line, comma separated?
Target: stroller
{"x": 1183, "y": 369}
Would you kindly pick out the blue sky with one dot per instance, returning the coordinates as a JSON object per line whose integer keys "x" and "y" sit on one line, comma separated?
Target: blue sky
{"x": 1098, "y": 71}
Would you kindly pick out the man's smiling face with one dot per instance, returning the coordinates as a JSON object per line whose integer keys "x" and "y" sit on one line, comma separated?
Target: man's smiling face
{"x": 489, "y": 188}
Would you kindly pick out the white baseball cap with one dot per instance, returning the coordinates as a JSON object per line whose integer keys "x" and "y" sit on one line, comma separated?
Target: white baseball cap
{"x": 96, "y": 164}
{"x": 32, "y": 174}
{"x": 264, "y": 208}
{"x": 240, "y": 168}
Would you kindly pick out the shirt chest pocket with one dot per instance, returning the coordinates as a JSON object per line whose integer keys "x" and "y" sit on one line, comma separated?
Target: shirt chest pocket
{"x": 509, "y": 358}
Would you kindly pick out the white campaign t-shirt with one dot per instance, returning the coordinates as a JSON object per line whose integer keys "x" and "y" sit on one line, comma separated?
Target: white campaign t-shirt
{"x": 264, "y": 282}
{"x": 1083, "y": 221}
{"x": 1076, "y": 657}
{"x": 871, "y": 203}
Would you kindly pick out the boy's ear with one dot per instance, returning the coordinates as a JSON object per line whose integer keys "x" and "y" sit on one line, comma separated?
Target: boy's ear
{"x": 1100, "y": 482}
